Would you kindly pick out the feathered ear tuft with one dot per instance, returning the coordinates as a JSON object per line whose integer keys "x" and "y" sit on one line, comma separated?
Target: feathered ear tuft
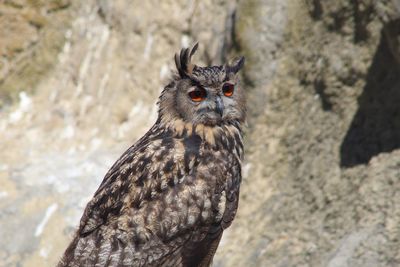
{"x": 182, "y": 61}
{"x": 235, "y": 66}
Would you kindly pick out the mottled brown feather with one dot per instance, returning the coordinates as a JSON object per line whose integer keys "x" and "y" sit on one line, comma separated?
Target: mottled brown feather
{"x": 168, "y": 198}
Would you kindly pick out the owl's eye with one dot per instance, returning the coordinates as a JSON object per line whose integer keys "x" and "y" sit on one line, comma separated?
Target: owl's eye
{"x": 228, "y": 89}
{"x": 197, "y": 95}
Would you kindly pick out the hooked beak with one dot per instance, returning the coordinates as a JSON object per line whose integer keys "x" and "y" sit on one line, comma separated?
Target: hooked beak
{"x": 219, "y": 106}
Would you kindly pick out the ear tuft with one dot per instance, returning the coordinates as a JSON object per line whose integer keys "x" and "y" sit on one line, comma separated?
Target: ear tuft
{"x": 235, "y": 66}
{"x": 183, "y": 61}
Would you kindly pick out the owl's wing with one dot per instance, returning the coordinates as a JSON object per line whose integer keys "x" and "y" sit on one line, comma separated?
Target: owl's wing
{"x": 107, "y": 199}
{"x": 104, "y": 202}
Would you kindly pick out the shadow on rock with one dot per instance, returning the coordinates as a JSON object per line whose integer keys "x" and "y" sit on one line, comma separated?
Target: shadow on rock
{"x": 376, "y": 125}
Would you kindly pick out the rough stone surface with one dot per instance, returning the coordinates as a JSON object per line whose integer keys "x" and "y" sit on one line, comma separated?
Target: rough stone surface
{"x": 31, "y": 35}
{"x": 322, "y": 172}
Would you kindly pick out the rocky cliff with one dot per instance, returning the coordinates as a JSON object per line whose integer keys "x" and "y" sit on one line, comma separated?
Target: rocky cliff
{"x": 79, "y": 81}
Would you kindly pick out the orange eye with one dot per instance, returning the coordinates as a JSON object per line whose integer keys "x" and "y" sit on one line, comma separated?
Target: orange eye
{"x": 198, "y": 94}
{"x": 228, "y": 89}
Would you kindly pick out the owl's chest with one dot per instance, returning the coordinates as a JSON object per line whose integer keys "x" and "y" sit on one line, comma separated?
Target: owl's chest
{"x": 217, "y": 148}
{"x": 221, "y": 172}
{"x": 218, "y": 159}
{"x": 219, "y": 164}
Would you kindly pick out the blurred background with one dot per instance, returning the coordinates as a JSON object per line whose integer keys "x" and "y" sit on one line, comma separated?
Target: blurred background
{"x": 78, "y": 85}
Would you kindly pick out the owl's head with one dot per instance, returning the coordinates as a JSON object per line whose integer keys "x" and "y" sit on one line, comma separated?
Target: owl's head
{"x": 203, "y": 95}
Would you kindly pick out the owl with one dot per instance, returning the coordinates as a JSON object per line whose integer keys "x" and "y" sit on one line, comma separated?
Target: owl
{"x": 169, "y": 197}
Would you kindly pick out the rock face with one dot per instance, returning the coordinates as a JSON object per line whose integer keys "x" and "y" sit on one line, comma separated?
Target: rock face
{"x": 79, "y": 81}
{"x": 31, "y": 34}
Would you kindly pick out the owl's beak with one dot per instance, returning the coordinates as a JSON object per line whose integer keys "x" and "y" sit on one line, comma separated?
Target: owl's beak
{"x": 219, "y": 106}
